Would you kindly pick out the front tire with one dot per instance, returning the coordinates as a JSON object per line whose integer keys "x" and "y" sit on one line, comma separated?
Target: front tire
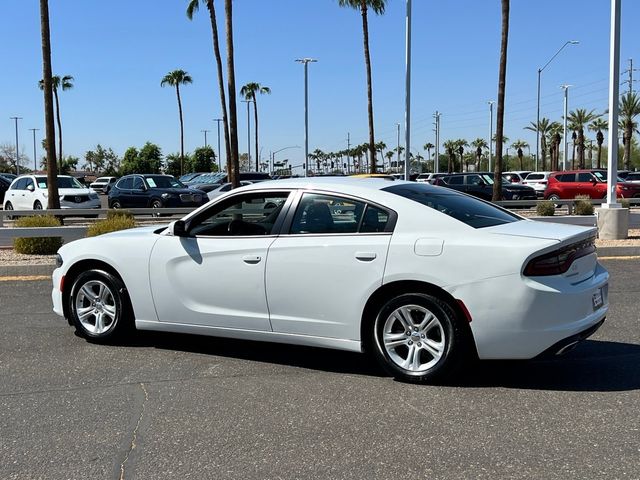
{"x": 37, "y": 205}
{"x": 418, "y": 338}
{"x": 99, "y": 306}
{"x": 7, "y": 207}
{"x": 116, "y": 204}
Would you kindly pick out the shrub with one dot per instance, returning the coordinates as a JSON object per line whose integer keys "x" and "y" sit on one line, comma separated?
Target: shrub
{"x": 545, "y": 208}
{"x": 583, "y": 206}
{"x": 38, "y": 245}
{"x": 111, "y": 224}
{"x": 117, "y": 213}
{"x": 625, "y": 203}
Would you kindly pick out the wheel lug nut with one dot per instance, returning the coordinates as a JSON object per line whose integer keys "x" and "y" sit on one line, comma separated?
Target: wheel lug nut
{"x": 415, "y": 329}
{"x": 422, "y": 336}
{"x": 419, "y": 344}
{"x": 408, "y": 333}
{"x": 410, "y": 342}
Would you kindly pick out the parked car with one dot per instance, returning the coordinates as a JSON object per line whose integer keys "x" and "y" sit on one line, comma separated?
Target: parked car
{"x": 223, "y": 188}
{"x": 424, "y": 177}
{"x": 384, "y": 176}
{"x": 207, "y": 181}
{"x": 153, "y": 191}
{"x": 8, "y": 176}
{"x": 517, "y": 176}
{"x": 592, "y": 183}
{"x": 4, "y": 186}
{"x": 481, "y": 185}
{"x": 414, "y": 274}
{"x": 537, "y": 181}
{"x": 633, "y": 177}
{"x": 187, "y": 177}
{"x": 29, "y": 192}
{"x": 103, "y": 184}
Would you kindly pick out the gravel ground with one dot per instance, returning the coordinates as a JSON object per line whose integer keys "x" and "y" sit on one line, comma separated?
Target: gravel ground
{"x": 10, "y": 257}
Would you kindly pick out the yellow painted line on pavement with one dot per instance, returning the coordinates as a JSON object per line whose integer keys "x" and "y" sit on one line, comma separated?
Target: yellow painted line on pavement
{"x": 24, "y": 278}
{"x": 627, "y": 257}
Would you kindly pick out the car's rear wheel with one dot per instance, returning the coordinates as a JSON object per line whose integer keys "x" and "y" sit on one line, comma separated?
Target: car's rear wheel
{"x": 418, "y": 338}
{"x": 553, "y": 197}
{"x": 7, "y": 207}
{"x": 99, "y": 306}
{"x": 116, "y": 204}
{"x": 156, "y": 204}
{"x": 37, "y": 205}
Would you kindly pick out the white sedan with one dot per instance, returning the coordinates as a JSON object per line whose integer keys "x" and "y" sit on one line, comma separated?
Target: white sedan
{"x": 29, "y": 192}
{"x": 423, "y": 277}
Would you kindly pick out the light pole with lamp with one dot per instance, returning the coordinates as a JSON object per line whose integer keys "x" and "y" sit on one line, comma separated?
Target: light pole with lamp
{"x": 218, "y": 120}
{"x": 17, "y": 154}
{"x": 205, "y": 137}
{"x": 35, "y": 164}
{"x": 306, "y": 62}
{"x": 565, "y": 153}
{"x": 568, "y": 42}
{"x": 273, "y": 154}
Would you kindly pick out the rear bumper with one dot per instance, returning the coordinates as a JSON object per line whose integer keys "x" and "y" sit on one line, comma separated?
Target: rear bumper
{"x": 567, "y": 344}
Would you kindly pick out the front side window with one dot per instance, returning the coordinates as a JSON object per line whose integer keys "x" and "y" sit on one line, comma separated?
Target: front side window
{"x": 585, "y": 177}
{"x": 21, "y": 184}
{"x": 250, "y": 214}
{"x": 29, "y": 182}
{"x": 125, "y": 183}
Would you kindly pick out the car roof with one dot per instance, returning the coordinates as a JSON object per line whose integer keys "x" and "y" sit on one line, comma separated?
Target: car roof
{"x": 347, "y": 185}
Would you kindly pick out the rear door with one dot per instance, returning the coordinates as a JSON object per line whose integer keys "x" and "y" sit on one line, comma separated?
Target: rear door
{"x": 326, "y": 263}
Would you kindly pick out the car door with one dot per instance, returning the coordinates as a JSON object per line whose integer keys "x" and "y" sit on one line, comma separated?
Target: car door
{"x": 123, "y": 191}
{"x": 331, "y": 259}
{"x": 139, "y": 193}
{"x": 16, "y": 194}
{"x": 476, "y": 186}
{"x": 215, "y": 275}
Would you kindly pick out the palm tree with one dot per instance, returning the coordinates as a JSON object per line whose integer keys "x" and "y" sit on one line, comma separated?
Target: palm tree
{"x": 598, "y": 125}
{"x": 629, "y": 109}
{"x": 428, "y": 146}
{"x": 249, "y": 92}
{"x": 377, "y": 6}
{"x": 518, "y": 145}
{"x": 579, "y": 119}
{"x": 47, "y": 85}
{"x": 502, "y": 78}
{"x": 460, "y": 144}
{"x": 542, "y": 127}
{"x": 234, "y": 161}
{"x": 554, "y": 131}
{"x": 176, "y": 78}
{"x": 389, "y": 155}
{"x": 450, "y": 146}
{"x": 479, "y": 144}
{"x": 380, "y": 148}
{"x": 65, "y": 83}
{"x": 193, "y": 7}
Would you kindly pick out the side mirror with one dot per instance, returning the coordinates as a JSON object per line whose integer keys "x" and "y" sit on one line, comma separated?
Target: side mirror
{"x": 594, "y": 181}
{"x": 178, "y": 228}
{"x": 30, "y": 188}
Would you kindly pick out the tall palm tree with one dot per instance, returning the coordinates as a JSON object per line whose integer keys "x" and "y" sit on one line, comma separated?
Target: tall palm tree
{"x": 428, "y": 147}
{"x": 598, "y": 125}
{"x": 554, "y": 132}
{"x": 389, "y": 155}
{"x": 542, "y": 127}
{"x": 248, "y": 92}
{"x": 518, "y": 145}
{"x": 176, "y": 78}
{"x": 502, "y": 78}
{"x": 47, "y": 85}
{"x": 191, "y": 9}
{"x": 579, "y": 119}
{"x": 64, "y": 83}
{"x": 234, "y": 171}
{"x": 377, "y": 6}
{"x": 380, "y": 148}
{"x": 450, "y": 146}
{"x": 479, "y": 144}
{"x": 629, "y": 109}
{"x": 460, "y": 144}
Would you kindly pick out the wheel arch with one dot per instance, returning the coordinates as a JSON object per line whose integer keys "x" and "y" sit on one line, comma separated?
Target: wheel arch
{"x": 392, "y": 289}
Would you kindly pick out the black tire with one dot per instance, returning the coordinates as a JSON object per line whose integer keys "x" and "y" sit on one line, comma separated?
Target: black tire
{"x": 157, "y": 204}
{"x": 116, "y": 204}
{"x": 37, "y": 205}
{"x": 553, "y": 197}
{"x": 446, "y": 331}
{"x": 114, "y": 304}
{"x": 7, "y": 207}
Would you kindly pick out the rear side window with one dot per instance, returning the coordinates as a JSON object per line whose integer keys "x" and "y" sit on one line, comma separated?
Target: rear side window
{"x": 457, "y": 180}
{"x": 566, "y": 177}
{"x": 584, "y": 177}
{"x": 469, "y": 210}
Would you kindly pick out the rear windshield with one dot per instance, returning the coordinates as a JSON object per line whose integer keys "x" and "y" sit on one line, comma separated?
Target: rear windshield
{"x": 535, "y": 176}
{"x": 470, "y": 210}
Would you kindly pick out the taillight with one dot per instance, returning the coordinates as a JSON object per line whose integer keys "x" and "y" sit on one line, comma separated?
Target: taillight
{"x": 558, "y": 262}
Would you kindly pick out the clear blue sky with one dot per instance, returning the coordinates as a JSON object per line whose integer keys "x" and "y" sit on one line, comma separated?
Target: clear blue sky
{"x": 119, "y": 50}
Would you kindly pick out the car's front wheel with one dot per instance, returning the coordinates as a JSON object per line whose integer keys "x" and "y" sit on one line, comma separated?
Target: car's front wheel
{"x": 37, "y": 205}
{"x": 418, "y": 338}
{"x": 116, "y": 204}
{"x": 99, "y": 306}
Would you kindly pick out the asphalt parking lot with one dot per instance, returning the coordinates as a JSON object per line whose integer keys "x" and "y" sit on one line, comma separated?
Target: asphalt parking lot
{"x": 178, "y": 406}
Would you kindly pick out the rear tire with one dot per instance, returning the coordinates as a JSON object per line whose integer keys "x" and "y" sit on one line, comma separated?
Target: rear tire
{"x": 116, "y": 204}
{"x": 7, "y": 207}
{"x": 418, "y": 338}
{"x": 37, "y": 205}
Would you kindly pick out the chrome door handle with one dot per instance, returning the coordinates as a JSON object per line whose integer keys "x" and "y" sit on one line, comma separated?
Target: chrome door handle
{"x": 366, "y": 256}
{"x": 251, "y": 259}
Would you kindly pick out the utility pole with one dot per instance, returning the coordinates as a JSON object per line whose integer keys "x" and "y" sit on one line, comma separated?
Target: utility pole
{"x": 630, "y": 71}
{"x": 348, "y": 149}
{"x": 398, "y": 148}
{"x": 614, "y": 78}
{"x": 205, "y": 137}
{"x": 306, "y": 62}
{"x": 565, "y": 133}
{"x": 248, "y": 132}
{"x": 17, "y": 154}
{"x": 407, "y": 106}
{"x": 491, "y": 102}
{"x": 218, "y": 120}
{"x": 436, "y": 164}
{"x": 35, "y": 164}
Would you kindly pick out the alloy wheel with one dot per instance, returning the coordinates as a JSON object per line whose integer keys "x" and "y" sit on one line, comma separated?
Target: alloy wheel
{"x": 95, "y": 306}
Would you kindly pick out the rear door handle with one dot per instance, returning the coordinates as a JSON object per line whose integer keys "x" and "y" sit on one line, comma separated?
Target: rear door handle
{"x": 366, "y": 256}
{"x": 251, "y": 259}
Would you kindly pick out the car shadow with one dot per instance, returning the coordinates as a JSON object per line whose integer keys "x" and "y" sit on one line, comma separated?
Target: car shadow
{"x": 593, "y": 366}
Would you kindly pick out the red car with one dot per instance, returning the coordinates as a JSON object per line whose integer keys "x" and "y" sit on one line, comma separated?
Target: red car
{"x": 567, "y": 185}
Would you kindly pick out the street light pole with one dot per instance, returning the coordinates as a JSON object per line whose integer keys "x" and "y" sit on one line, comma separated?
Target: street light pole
{"x": 490, "y": 102}
{"x": 569, "y": 42}
{"x": 218, "y": 120}
{"x": 34, "y": 130}
{"x": 248, "y": 132}
{"x": 17, "y": 154}
{"x": 306, "y": 62}
{"x": 614, "y": 75}
{"x": 398, "y": 149}
{"x": 273, "y": 155}
{"x": 407, "y": 107}
{"x": 565, "y": 153}
{"x": 205, "y": 137}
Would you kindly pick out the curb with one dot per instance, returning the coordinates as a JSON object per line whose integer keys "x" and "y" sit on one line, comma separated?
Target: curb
{"x": 618, "y": 251}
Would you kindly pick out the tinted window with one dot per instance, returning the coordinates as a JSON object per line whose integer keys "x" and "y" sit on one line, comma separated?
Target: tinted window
{"x": 457, "y": 180}
{"x": 162, "y": 181}
{"x": 470, "y": 210}
{"x": 375, "y": 220}
{"x": 29, "y": 182}
{"x": 125, "y": 183}
{"x": 535, "y": 176}
{"x": 326, "y": 214}
{"x": 21, "y": 184}
{"x": 242, "y": 215}
{"x": 474, "y": 180}
{"x": 585, "y": 177}
{"x": 138, "y": 184}
{"x": 566, "y": 177}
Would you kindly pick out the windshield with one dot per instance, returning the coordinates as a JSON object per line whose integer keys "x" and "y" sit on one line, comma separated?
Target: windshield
{"x": 63, "y": 182}
{"x": 469, "y": 210}
{"x": 603, "y": 175}
{"x": 163, "y": 181}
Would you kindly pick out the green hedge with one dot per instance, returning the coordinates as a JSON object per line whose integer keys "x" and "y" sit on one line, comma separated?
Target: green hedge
{"x": 545, "y": 208}
{"x": 112, "y": 223}
{"x": 583, "y": 205}
{"x": 37, "y": 245}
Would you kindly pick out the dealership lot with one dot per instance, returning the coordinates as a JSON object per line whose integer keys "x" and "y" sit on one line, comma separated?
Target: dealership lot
{"x": 173, "y": 406}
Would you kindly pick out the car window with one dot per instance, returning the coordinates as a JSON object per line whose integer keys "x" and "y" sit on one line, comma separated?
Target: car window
{"x": 474, "y": 180}
{"x": 327, "y": 214}
{"x": 125, "y": 183}
{"x": 375, "y": 220}
{"x": 585, "y": 177}
{"x": 470, "y": 210}
{"x": 535, "y": 176}
{"x": 241, "y": 215}
{"x": 138, "y": 183}
{"x": 164, "y": 181}
{"x": 21, "y": 184}
{"x": 29, "y": 182}
{"x": 62, "y": 182}
{"x": 225, "y": 188}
